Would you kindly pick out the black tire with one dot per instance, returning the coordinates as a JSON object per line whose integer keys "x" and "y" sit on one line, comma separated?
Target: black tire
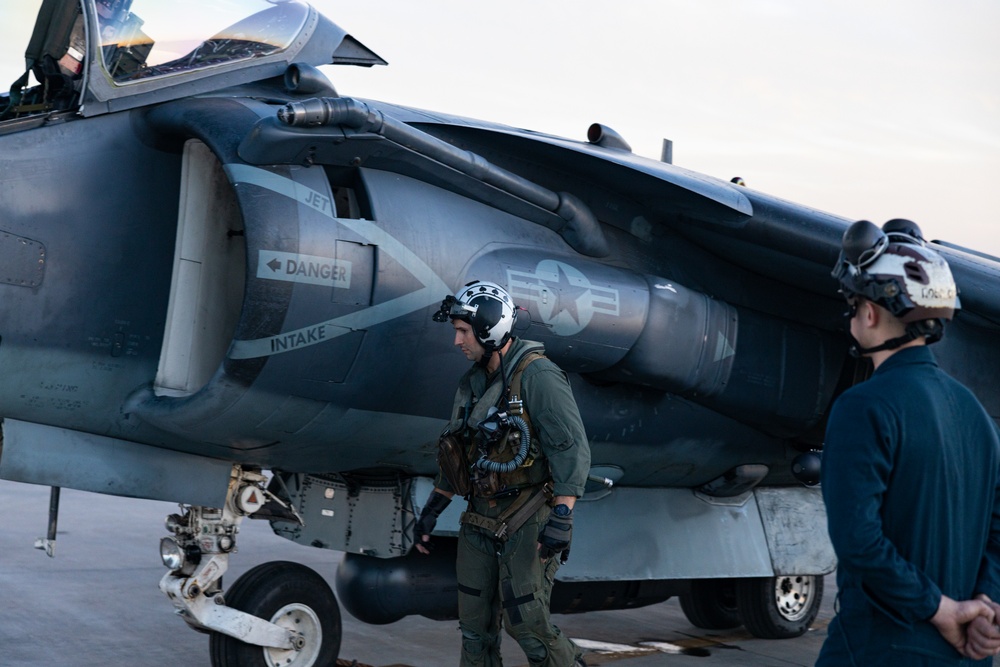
{"x": 710, "y": 604}
{"x": 779, "y": 607}
{"x": 282, "y": 591}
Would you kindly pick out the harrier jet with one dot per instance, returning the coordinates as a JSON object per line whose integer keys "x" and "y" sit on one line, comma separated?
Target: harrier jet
{"x": 218, "y": 277}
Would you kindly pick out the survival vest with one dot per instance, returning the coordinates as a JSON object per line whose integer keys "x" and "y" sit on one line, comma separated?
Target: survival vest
{"x": 460, "y": 444}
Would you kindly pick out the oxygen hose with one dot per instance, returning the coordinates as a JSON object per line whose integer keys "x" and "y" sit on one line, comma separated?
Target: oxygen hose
{"x": 507, "y": 466}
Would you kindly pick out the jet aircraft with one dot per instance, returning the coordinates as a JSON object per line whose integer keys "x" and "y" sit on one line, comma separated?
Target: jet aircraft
{"x": 218, "y": 277}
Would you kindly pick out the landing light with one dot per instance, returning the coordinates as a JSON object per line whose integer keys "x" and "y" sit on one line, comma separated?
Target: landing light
{"x": 171, "y": 554}
{"x": 177, "y": 558}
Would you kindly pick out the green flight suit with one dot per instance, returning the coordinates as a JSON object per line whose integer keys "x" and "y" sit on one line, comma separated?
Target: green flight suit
{"x": 506, "y": 581}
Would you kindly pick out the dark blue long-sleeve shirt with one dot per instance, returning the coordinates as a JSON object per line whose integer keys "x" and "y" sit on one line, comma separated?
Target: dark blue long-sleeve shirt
{"x": 910, "y": 480}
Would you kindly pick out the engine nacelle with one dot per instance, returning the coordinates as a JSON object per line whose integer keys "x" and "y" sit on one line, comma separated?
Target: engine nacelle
{"x": 612, "y": 324}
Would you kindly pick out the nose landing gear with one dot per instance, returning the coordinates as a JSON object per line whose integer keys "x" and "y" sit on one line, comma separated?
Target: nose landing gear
{"x": 279, "y": 614}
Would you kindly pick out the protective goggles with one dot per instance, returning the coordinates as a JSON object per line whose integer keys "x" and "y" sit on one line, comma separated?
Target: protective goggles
{"x": 867, "y": 256}
{"x": 863, "y": 243}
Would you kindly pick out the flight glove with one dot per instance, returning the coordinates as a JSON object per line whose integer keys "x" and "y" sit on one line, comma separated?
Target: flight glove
{"x": 557, "y": 533}
{"x": 436, "y": 503}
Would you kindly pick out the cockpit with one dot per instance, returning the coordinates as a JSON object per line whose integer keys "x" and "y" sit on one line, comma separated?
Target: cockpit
{"x": 90, "y": 53}
{"x": 146, "y": 38}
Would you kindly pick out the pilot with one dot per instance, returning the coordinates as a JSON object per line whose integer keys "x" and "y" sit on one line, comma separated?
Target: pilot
{"x": 910, "y": 470}
{"x": 516, "y": 426}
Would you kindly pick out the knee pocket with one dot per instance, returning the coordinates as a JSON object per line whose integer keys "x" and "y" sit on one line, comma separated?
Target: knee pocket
{"x": 533, "y": 647}
{"x": 476, "y": 644}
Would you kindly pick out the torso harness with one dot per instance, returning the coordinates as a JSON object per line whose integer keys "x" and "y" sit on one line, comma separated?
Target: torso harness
{"x": 488, "y": 452}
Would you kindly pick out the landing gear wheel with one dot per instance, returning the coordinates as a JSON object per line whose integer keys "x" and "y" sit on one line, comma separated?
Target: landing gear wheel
{"x": 292, "y": 596}
{"x": 710, "y": 604}
{"x": 779, "y": 607}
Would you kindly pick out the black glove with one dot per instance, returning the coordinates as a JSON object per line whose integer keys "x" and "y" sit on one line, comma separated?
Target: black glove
{"x": 557, "y": 533}
{"x": 436, "y": 503}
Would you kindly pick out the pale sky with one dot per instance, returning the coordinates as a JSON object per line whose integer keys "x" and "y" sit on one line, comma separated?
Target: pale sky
{"x": 864, "y": 108}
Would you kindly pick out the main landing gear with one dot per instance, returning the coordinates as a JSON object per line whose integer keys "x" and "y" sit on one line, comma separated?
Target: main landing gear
{"x": 768, "y": 607}
{"x": 278, "y": 614}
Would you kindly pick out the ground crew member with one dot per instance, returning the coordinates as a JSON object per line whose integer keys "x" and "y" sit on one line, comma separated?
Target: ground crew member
{"x": 910, "y": 468}
{"x": 517, "y": 449}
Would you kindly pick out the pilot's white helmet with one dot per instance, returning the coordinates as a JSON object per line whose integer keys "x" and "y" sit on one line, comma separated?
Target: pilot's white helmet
{"x": 488, "y": 309}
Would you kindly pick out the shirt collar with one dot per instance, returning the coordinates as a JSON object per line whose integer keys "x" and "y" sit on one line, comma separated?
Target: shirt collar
{"x": 919, "y": 354}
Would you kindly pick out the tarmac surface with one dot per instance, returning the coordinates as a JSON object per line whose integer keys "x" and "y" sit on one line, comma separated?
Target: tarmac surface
{"x": 97, "y": 603}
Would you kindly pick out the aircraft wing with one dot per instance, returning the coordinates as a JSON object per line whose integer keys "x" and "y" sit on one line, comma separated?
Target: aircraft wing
{"x": 751, "y": 229}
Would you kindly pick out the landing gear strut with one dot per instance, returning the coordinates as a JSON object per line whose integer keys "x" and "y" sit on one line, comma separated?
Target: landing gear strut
{"x": 278, "y": 614}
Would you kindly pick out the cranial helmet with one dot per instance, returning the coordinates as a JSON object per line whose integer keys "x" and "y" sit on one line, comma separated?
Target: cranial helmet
{"x": 487, "y": 308}
{"x": 893, "y": 268}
